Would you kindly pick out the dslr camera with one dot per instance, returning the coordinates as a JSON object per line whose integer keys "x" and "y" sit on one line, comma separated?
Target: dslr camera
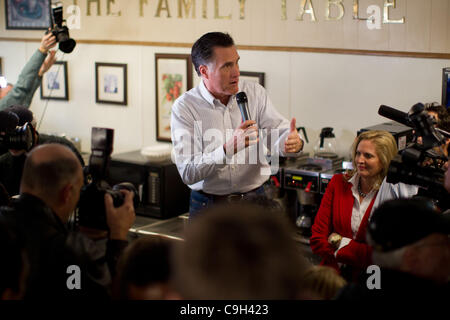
{"x": 91, "y": 206}
{"x": 60, "y": 30}
{"x": 410, "y": 166}
{"x": 13, "y": 136}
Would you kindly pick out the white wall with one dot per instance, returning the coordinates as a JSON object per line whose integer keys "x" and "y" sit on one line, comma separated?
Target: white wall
{"x": 341, "y": 91}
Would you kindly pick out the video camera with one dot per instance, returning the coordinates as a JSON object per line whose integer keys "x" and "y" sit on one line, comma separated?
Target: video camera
{"x": 60, "y": 30}
{"x": 409, "y": 166}
{"x": 91, "y": 207}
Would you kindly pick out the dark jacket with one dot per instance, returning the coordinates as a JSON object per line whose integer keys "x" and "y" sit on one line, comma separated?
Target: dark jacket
{"x": 11, "y": 167}
{"x": 52, "y": 249}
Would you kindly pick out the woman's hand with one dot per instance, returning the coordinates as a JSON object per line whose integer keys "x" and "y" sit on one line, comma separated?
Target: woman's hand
{"x": 334, "y": 239}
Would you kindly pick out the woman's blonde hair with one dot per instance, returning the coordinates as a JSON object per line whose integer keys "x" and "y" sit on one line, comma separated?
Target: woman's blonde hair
{"x": 385, "y": 147}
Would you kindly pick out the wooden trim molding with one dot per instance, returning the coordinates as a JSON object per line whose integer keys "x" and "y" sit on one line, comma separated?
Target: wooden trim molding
{"x": 408, "y": 54}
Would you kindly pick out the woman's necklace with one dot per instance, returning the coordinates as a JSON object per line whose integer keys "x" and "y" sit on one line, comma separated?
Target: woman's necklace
{"x": 361, "y": 194}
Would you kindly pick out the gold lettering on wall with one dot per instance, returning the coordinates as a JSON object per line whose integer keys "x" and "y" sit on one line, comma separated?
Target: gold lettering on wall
{"x": 302, "y": 10}
{"x": 356, "y": 9}
{"x": 283, "y": 10}
{"x": 216, "y": 12}
{"x": 160, "y": 8}
{"x": 89, "y": 2}
{"x": 339, "y": 5}
{"x": 242, "y": 9}
{"x": 386, "y": 19}
{"x": 187, "y": 6}
{"x": 204, "y": 9}
{"x": 141, "y": 7}
{"x": 108, "y": 9}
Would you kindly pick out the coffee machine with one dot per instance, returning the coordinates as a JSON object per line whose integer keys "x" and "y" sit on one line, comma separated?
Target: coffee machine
{"x": 304, "y": 178}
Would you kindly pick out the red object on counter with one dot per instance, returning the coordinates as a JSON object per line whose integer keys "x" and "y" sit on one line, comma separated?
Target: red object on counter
{"x": 308, "y": 186}
{"x": 275, "y": 181}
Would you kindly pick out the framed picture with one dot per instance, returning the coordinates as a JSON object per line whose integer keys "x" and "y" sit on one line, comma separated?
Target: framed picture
{"x": 54, "y": 82}
{"x": 173, "y": 78}
{"x": 253, "y": 76}
{"x": 27, "y": 14}
{"x": 446, "y": 87}
{"x": 111, "y": 83}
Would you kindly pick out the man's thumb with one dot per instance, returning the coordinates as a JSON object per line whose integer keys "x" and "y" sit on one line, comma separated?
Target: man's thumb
{"x": 293, "y": 128}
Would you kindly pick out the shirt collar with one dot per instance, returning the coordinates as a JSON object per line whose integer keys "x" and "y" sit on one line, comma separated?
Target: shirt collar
{"x": 208, "y": 96}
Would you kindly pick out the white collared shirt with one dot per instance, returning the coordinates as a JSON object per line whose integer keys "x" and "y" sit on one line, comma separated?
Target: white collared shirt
{"x": 358, "y": 211}
{"x": 201, "y": 124}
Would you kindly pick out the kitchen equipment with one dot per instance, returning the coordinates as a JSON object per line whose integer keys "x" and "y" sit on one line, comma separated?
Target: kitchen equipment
{"x": 304, "y": 177}
{"x": 326, "y": 146}
{"x": 162, "y": 193}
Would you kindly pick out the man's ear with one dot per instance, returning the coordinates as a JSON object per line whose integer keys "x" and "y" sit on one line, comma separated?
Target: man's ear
{"x": 66, "y": 193}
{"x": 203, "y": 69}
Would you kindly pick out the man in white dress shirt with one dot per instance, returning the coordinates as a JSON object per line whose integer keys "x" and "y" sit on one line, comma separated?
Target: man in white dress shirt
{"x": 218, "y": 154}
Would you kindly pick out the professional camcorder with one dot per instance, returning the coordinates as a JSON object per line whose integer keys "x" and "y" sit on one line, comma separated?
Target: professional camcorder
{"x": 419, "y": 163}
{"x": 91, "y": 207}
{"x": 60, "y": 30}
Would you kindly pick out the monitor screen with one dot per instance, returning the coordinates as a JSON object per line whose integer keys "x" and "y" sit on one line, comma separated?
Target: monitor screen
{"x": 446, "y": 87}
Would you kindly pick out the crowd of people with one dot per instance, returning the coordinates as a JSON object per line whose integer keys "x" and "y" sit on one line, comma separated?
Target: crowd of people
{"x": 238, "y": 244}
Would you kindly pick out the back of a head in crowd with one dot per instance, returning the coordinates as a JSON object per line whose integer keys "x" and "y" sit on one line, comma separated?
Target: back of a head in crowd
{"x": 24, "y": 114}
{"x": 14, "y": 265}
{"x": 48, "y": 168}
{"x": 238, "y": 251}
{"x": 321, "y": 283}
{"x": 8, "y": 121}
{"x": 143, "y": 271}
{"x": 397, "y": 223}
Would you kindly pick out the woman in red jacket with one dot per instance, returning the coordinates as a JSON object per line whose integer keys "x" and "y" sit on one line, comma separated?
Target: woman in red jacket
{"x": 339, "y": 230}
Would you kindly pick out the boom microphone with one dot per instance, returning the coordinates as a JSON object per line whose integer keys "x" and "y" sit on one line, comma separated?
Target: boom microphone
{"x": 396, "y": 115}
{"x": 241, "y": 99}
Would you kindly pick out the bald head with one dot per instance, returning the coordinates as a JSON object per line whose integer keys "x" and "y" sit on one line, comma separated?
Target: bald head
{"x": 49, "y": 168}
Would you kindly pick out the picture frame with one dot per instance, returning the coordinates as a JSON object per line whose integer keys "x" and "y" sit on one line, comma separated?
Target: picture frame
{"x": 54, "y": 84}
{"x": 253, "y": 76}
{"x": 446, "y": 87}
{"x": 173, "y": 77}
{"x": 111, "y": 83}
{"x": 28, "y": 14}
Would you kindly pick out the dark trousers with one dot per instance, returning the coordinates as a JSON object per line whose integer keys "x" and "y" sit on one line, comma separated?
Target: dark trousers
{"x": 200, "y": 200}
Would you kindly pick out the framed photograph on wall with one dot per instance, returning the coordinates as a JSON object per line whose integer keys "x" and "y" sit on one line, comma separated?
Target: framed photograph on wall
{"x": 446, "y": 87}
{"x": 173, "y": 78}
{"x": 111, "y": 83}
{"x": 253, "y": 76}
{"x": 54, "y": 82}
{"x": 27, "y": 14}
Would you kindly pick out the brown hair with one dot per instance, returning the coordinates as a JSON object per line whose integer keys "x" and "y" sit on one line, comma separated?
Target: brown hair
{"x": 322, "y": 282}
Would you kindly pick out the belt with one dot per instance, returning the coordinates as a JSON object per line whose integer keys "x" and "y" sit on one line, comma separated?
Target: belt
{"x": 232, "y": 197}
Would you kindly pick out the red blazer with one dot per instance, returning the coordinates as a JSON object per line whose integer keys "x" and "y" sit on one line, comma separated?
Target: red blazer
{"x": 334, "y": 215}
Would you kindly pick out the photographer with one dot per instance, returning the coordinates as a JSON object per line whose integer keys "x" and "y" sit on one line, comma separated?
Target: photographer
{"x": 30, "y": 77}
{"x": 11, "y": 162}
{"x": 50, "y": 189}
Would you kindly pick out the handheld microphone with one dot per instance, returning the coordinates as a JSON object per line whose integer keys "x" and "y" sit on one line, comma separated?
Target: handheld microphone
{"x": 241, "y": 99}
{"x": 396, "y": 115}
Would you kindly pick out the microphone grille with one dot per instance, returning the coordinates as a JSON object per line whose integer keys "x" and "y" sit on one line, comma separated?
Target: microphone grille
{"x": 241, "y": 97}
